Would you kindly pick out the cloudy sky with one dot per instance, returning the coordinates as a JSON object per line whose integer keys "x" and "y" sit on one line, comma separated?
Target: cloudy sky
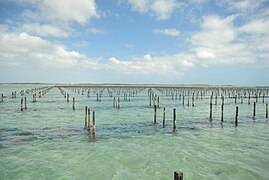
{"x": 135, "y": 41}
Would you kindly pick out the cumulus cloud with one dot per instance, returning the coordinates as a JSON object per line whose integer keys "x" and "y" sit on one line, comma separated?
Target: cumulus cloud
{"x": 22, "y": 48}
{"x": 63, "y": 11}
{"x": 168, "y": 32}
{"x": 162, "y": 9}
{"x": 158, "y": 64}
{"x": 221, "y": 42}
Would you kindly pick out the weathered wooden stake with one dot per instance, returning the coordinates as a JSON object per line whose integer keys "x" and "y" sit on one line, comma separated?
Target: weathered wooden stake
{"x": 155, "y": 114}
{"x": 266, "y": 111}
{"x": 210, "y": 107}
{"x": 158, "y": 102}
{"x": 164, "y": 123}
{"x": 254, "y": 109}
{"x": 174, "y": 119}
{"x": 118, "y": 102}
{"x": 21, "y": 104}
{"x": 178, "y": 175}
{"x": 25, "y": 103}
{"x": 193, "y": 100}
{"x": 93, "y": 123}
{"x": 236, "y": 116}
{"x": 86, "y": 114}
{"x": 2, "y": 97}
{"x": 73, "y": 103}
{"x": 89, "y": 119}
{"x": 67, "y": 98}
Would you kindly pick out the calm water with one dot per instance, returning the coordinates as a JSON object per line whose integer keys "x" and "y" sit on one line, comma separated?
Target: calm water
{"x": 48, "y": 140}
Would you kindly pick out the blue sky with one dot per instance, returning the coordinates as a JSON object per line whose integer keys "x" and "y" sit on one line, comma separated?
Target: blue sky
{"x": 135, "y": 41}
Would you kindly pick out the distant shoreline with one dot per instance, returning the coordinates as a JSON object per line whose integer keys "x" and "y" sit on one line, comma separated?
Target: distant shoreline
{"x": 130, "y": 85}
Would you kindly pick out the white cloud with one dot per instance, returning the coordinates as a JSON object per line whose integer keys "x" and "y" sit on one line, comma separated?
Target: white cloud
{"x": 95, "y": 31}
{"x": 22, "y": 48}
{"x": 160, "y": 64}
{"x": 221, "y": 42}
{"x": 168, "y": 32}
{"x": 65, "y": 11}
{"x": 162, "y": 9}
{"x": 46, "y": 29}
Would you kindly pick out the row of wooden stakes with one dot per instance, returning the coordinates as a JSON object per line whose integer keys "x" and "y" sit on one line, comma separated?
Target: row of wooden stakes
{"x": 88, "y": 120}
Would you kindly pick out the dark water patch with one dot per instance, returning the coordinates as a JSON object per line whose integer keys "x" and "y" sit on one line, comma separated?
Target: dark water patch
{"x": 24, "y": 133}
{"x": 8, "y": 129}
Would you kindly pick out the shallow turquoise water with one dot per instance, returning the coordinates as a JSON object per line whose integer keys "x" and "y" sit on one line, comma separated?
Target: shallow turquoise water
{"x": 48, "y": 140}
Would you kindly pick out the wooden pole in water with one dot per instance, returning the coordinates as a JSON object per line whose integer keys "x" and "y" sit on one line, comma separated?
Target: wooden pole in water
{"x": 89, "y": 119}
{"x": 158, "y": 102}
{"x": 155, "y": 114}
{"x": 178, "y": 175}
{"x": 254, "y": 109}
{"x": 266, "y": 111}
{"x": 21, "y": 104}
{"x": 2, "y": 97}
{"x": 174, "y": 119}
{"x": 25, "y": 103}
{"x": 236, "y": 116}
{"x": 222, "y": 109}
{"x": 86, "y": 114}
{"x": 93, "y": 123}
{"x": 73, "y": 103}
{"x": 164, "y": 123}
{"x": 193, "y": 100}
{"x": 210, "y": 107}
{"x": 67, "y": 98}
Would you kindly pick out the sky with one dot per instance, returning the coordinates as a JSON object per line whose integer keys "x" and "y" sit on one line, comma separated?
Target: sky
{"x": 215, "y": 42}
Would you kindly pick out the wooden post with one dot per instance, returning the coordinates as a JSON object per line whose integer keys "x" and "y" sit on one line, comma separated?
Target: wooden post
{"x": 25, "y": 103}
{"x": 249, "y": 99}
{"x": 150, "y": 99}
{"x": 86, "y": 114}
{"x": 119, "y": 102}
{"x": 254, "y": 109}
{"x": 193, "y": 100}
{"x": 164, "y": 123}
{"x": 89, "y": 119}
{"x": 210, "y": 107}
{"x": 2, "y": 97}
{"x": 155, "y": 114}
{"x": 21, "y": 104}
{"x": 236, "y": 116}
{"x": 183, "y": 100}
{"x": 178, "y": 175}
{"x": 73, "y": 103}
{"x": 174, "y": 119}
{"x": 266, "y": 111}
{"x": 158, "y": 102}
{"x": 222, "y": 110}
{"x": 67, "y": 98}
{"x": 93, "y": 123}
